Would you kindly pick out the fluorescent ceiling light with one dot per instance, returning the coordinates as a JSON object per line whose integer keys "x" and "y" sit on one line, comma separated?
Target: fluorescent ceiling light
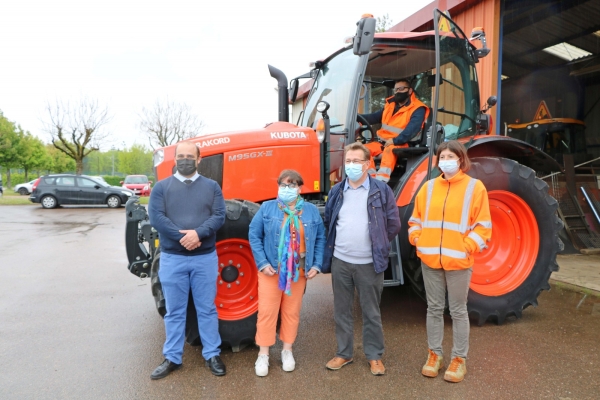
{"x": 504, "y": 77}
{"x": 597, "y": 33}
{"x": 567, "y": 52}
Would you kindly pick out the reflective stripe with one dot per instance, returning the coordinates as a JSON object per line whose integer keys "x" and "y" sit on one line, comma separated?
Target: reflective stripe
{"x": 464, "y": 220}
{"x": 382, "y": 178}
{"x": 415, "y": 220}
{"x": 431, "y": 251}
{"x": 414, "y": 228}
{"x": 429, "y": 194}
{"x": 391, "y": 128}
{"x": 477, "y": 239}
{"x": 451, "y": 226}
{"x": 371, "y": 171}
{"x": 485, "y": 224}
{"x": 385, "y": 170}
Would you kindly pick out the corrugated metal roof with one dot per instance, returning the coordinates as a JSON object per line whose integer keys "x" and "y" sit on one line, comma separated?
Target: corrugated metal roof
{"x": 530, "y": 26}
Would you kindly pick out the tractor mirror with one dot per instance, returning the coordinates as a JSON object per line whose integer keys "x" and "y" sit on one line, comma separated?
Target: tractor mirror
{"x": 365, "y": 33}
{"x": 431, "y": 80}
{"x": 492, "y": 100}
{"x": 293, "y": 91}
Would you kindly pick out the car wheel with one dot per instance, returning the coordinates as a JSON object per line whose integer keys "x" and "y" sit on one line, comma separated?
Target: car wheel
{"x": 113, "y": 201}
{"x": 22, "y": 191}
{"x": 49, "y": 202}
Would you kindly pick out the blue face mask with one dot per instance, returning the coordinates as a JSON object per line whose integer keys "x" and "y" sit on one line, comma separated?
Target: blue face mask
{"x": 287, "y": 194}
{"x": 354, "y": 171}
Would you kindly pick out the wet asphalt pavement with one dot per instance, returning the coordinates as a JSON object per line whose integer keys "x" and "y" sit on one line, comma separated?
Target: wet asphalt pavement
{"x": 75, "y": 324}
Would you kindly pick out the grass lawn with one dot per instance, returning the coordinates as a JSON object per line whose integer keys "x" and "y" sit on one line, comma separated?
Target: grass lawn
{"x": 10, "y": 198}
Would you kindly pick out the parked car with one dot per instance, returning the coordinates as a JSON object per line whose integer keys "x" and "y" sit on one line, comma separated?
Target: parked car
{"x": 24, "y": 188}
{"x": 140, "y": 184}
{"x": 57, "y": 189}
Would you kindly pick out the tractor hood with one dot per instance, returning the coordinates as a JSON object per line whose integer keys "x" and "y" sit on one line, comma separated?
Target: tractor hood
{"x": 235, "y": 144}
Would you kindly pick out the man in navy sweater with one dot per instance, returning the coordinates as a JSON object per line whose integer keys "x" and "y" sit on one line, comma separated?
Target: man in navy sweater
{"x": 187, "y": 209}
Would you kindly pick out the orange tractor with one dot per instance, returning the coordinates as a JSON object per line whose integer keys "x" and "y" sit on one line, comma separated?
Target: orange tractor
{"x": 357, "y": 79}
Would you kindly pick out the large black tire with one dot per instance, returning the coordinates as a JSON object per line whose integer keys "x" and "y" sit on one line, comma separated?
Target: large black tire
{"x": 236, "y": 333}
{"x": 500, "y": 174}
{"x": 155, "y": 285}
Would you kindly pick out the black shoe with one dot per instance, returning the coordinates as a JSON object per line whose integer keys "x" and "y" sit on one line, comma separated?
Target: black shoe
{"x": 216, "y": 366}
{"x": 164, "y": 369}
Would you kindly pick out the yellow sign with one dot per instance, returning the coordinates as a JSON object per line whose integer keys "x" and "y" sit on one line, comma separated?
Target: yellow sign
{"x": 542, "y": 112}
{"x": 444, "y": 24}
{"x": 316, "y": 185}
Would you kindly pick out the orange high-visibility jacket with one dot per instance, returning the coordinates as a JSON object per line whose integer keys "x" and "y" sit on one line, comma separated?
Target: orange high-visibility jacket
{"x": 451, "y": 221}
{"x": 393, "y": 124}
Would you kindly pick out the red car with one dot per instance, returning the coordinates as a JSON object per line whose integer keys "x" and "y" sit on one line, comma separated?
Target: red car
{"x": 139, "y": 184}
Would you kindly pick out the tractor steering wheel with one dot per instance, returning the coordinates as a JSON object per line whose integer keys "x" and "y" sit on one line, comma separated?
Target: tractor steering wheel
{"x": 366, "y": 126}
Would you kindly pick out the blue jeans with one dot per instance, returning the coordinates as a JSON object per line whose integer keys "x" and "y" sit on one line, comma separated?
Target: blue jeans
{"x": 177, "y": 275}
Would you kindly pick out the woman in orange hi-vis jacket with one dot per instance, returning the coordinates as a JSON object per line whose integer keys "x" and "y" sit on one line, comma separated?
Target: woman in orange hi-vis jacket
{"x": 450, "y": 222}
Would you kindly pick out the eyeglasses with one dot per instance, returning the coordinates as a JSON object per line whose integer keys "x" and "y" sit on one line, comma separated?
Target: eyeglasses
{"x": 289, "y": 185}
{"x": 354, "y": 161}
{"x": 188, "y": 157}
{"x": 401, "y": 89}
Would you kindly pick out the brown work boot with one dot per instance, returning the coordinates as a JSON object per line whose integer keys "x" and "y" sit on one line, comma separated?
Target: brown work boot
{"x": 337, "y": 362}
{"x": 456, "y": 371}
{"x": 433, "y": 365}
{"x": 377, "y": 367}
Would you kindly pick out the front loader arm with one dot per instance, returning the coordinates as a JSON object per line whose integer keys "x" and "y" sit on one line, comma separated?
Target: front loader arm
{"x": 141, "y": 239}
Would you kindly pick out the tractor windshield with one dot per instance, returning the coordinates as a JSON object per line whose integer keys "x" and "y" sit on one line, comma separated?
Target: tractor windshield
{"x": 333, "y": 84}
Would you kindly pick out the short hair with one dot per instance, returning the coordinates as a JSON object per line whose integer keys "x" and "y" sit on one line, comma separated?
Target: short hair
{"x": 404, "y": 80}
{"x": 189, "y": 142}
{"x": 358, "y": 146}
{"x": 457, "y": 148}
{"x": 293, "y": 175}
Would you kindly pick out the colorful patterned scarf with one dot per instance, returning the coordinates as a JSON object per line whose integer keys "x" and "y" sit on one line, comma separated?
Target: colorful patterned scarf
{"x": 288, "y": 251}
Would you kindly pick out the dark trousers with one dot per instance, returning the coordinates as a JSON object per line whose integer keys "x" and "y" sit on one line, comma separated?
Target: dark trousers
{"x": 369, "y": 285}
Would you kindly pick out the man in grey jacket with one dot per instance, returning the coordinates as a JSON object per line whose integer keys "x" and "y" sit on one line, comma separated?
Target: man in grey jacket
{"x": 362, "y": 219}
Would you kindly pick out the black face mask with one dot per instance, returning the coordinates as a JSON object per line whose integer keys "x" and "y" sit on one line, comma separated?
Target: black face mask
{"x": 186, "y": 167}
{"x": 401, "y": 97}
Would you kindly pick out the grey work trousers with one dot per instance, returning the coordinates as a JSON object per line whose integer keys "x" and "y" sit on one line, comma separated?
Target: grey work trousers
{"x": 457, "y": 282}
{"x": 369, "y": 285}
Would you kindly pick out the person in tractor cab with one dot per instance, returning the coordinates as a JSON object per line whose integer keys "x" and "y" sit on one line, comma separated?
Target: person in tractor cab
{"x": 451, "y": 221}
{"x": 402, "y": 117}
{"x": 187, "y": 210}
{"x": 362, "y": 220}
{"x": 287, "y": 238}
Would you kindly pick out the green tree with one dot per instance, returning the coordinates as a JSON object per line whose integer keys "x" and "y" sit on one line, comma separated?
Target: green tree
{"x": 77, "y": 129}
{"x": 32, "y": 154}
{"x": 10, "y": 138}
{"x": 136, "y": 160}
{"x": 59, "y": 162}
{"x": 383, "y": 23}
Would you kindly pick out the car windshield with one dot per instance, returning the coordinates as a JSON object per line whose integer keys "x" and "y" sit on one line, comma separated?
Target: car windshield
{"x": 140, "y": 179}
{"x": 100, "y": 181}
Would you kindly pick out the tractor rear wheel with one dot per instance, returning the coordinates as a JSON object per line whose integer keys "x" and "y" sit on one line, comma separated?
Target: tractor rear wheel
{"x": 509, "y": 275}
{"x": 237, "y": 284}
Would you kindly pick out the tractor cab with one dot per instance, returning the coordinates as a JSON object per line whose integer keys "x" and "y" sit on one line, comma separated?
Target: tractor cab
{"x": 348, "y": 84}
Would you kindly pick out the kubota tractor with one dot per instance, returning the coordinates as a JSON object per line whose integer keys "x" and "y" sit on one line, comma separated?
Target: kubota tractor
{"x": 507, "y": 277}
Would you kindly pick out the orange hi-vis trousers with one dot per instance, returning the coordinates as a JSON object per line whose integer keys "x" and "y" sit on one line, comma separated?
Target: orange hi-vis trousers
{"x": 388, "y": 160}
{"x": 270, "y": 301}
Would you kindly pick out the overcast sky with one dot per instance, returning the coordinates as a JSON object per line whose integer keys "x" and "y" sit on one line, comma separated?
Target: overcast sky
{"x": 129, "y": 53}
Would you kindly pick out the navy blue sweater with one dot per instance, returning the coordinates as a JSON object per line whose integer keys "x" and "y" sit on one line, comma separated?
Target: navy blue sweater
{"x": 175, "y": 206}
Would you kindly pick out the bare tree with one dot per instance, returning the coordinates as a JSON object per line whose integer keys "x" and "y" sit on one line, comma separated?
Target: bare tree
{"x": 77, "y": 129}
{"x": 168, "y": 122}
{"x": 383, "y": 23}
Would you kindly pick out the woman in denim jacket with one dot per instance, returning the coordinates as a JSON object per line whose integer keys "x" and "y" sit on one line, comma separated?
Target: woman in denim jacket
{"x": 287, "y": 237}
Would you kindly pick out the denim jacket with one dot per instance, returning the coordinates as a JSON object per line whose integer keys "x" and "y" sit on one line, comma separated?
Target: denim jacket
{"x": 265, "y": 229}
{"x": 384, "y": 221}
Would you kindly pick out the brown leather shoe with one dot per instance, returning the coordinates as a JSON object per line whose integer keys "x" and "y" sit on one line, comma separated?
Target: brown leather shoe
{"x": 337, "y": 362}
{"x": 377, "y": 367}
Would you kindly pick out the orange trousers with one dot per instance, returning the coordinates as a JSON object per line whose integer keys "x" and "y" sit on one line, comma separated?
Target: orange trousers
{"x": 270, "y": 301}
{"x": 388, "y": 160}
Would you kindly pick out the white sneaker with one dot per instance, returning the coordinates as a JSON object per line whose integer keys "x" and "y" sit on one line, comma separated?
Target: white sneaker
{"x": 289, "y": 364}
{"x": 262, "y": 365}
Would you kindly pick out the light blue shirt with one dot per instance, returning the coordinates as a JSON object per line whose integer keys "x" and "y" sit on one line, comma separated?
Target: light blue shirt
{"x": 183, "y": 178}
{"x": 366, "y": 184}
